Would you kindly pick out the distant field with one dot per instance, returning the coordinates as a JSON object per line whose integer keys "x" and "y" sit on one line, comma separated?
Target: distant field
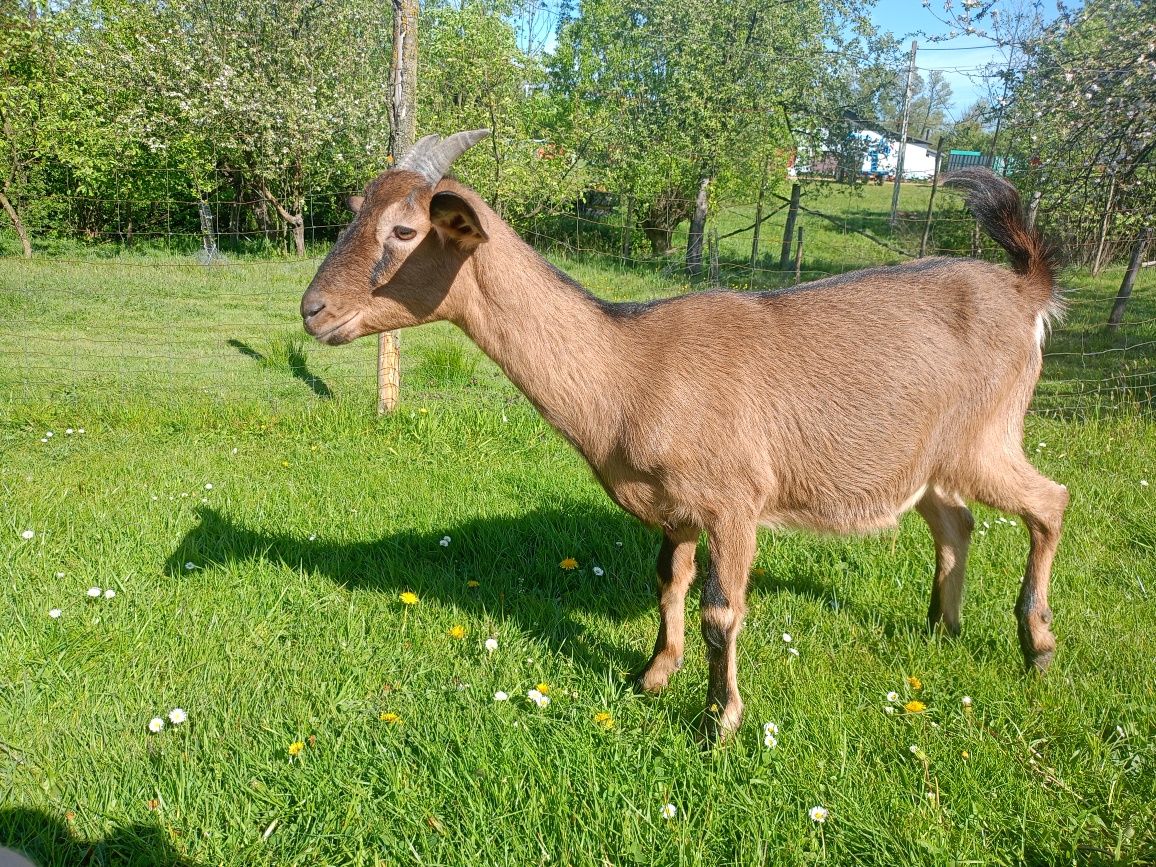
{"x": 267, "y": 607}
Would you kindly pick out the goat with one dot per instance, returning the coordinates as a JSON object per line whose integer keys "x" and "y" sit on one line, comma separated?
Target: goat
{"x": 835, "y": 406}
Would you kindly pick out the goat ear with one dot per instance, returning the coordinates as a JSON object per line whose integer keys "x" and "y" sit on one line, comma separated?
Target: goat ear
{"x": 453, "y": 217}
{"x": 354, "y": 203}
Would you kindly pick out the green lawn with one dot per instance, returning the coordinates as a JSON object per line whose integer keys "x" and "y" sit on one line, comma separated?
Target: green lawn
{"x": 288, "y": 629}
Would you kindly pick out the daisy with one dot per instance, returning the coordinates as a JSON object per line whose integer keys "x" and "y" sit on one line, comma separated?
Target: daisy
{"x": 893, "y": 696}
{"x": 491, "y": 644}
{"x": 177, "y": 716}
{"x": 598, "y": 570}
{"x": 770, "y": 728}
{"x": 819, "y": 814}
{"x": 445, "y": 541}
{"x": 93, "y": 592}
{"x": 669, "y": 811}
{"x": 109, "y": 593}
{"x": 156, "y": 725}
{"x": 537, "y": 698}
{"x": 966, "y": 701}
{"x": 27, "y": 534}
{"x": 888, "y": 709}
{"x": 794, "y": 651}
{"x": 500, "y": 696}
{"x": 209, "y": 486}
{"x": 54, "y": 613}
{"x": 769, "y": 740}
{"x": 787, "y": 637}
{"x": 190, "y": 566}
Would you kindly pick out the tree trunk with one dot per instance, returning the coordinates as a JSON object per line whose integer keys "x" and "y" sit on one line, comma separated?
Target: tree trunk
{"x": 17, "y": 223}
{"x": 661, "y": 240}
{"x": 294, "y": 221}
{"x": 697, "y": 225}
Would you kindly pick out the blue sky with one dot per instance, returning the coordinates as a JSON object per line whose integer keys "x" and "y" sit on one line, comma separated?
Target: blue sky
{"x": 962, "y": 58}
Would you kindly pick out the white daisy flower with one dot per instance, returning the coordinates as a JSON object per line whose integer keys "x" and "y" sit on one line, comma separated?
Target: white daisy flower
{"x": 312, "y": 537}
{"x": 893, "y": 696}
{"x": 445, "y": 541}
{"x": 68, "y": 431}
{"x": 80, "y": 430}
{"x": 794, "y": 651}
{"x": 599, "y": 571}
{"x": 59, "y": 574}
{"x": 43, "y": 440}
{"x": 538, "y": 698}
{"x": 54, "y": 613}
{"x": 819, "y": 814}
{"x": 966, "y": 701}
{"x": 209, "y": 486}
{"x": 787, "y": 637}
{"x": 28, "y": 534}
{"x": 770, "y": 728}
{"x": 1143, "y": 483}
{"x": 109, "y": 593}
{"x": 190, "y": 565}
{"x": 93, "y": 592}
{"x": 156, "y": 724}
{"x": 770, "y": 741}
{"x": 491, "y": 644}
{"x": 177, "y": 716}
{"x": 888, "y": 709}
{"x": 500, "y": 696}
{"x": 669, "y": 811}
{"x": 49, "y": 434}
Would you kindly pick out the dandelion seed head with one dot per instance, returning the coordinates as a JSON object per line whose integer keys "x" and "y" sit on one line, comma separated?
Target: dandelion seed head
{"x": 491, "y": 644}
{"x": 965, "y": 701}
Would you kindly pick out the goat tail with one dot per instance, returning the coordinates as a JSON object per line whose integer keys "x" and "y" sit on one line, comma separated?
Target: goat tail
{"x": 996, "y": 205}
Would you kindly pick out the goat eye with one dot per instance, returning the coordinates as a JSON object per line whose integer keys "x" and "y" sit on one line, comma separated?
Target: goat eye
{"x": 404, "y": 233}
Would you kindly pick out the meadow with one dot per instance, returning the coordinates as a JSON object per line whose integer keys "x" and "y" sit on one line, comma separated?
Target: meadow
{"x": 337, "y": 602}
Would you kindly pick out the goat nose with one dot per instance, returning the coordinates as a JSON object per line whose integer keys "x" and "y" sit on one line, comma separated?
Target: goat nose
{"x": 311, "y": 310}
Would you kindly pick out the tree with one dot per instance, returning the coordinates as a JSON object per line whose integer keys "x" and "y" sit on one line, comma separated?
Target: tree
{"x": 676, "y": 103}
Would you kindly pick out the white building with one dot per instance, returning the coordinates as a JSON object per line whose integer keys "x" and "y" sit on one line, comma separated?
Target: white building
{"x": 881, "y": 155}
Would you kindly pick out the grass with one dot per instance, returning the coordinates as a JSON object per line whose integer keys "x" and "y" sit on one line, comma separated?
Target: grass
{"x": 289, "y": 627}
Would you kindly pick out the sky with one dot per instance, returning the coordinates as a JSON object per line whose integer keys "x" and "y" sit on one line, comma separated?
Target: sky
{"x": 962, "y": 58}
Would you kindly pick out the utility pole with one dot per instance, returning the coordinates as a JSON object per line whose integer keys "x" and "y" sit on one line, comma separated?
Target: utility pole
{"x": 903, "y": 133}
{"x": 402, "y": 132}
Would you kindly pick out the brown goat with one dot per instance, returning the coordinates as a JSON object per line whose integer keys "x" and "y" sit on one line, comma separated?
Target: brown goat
{"x": 835, "y": 406}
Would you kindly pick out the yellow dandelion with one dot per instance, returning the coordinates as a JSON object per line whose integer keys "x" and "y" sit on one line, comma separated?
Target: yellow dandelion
{"x": 473, "y": 583}
{"x": 543, "y": 688}
{"x": 296, "y": 747}
{"x": 408, "y": 598}
{"x": 758, "y": 572}
{"x": 569, "y": 563}
{"x": 915, "y": 707}
{"x": 457, "y": 631}
{"x": 966, "y": 754}
{"x": 604, "y": 719}
{"x": 391, "y": 718}
{"x": 915, "y": 683}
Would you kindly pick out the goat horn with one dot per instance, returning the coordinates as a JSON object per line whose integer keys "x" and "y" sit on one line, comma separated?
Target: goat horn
{"x": 432, "y": 156}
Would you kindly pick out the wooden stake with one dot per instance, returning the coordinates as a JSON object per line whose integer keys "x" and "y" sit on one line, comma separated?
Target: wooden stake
{"x": 1117, "y": 315}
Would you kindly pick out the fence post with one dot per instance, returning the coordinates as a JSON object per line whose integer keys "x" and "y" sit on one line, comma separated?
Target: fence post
{"x": 712, "y": 243}
{"x": 208, "y": 234}
{"x": 799, "y": 255}
{"x": 931, "y": 201}
{"x": 758, "y": 220}
{"x": 1125, "y": 293}
{"x": 789, "y": 229}
{"x": 628, "y": 231}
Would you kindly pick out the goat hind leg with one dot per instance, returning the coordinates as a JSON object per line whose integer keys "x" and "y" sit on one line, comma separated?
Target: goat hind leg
{"x": 1022, "y": 490}
{"x": 675, "y": 575}
{"x": 732, "y": 549}
{"x": 951, "y": 524}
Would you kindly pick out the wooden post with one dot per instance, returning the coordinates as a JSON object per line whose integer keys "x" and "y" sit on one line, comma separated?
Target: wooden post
{"x": 789, "y": 229}
{"x": 402, "y": 132}
{"x": 712, "y": 245}
{"x": 1034, "y": 208}
{"x": 758, "y": 219}
{"x": 799, "y": 256}
{"x": 931, "y": 201}
{"x": 628, "y": 231}
{"x": 1125, "y": 293}
{"x": 903, "y": 136}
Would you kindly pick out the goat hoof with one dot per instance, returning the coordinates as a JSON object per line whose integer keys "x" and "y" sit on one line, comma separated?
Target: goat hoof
{"x": 656, "y": 675}
{"x": 717, "y": 727}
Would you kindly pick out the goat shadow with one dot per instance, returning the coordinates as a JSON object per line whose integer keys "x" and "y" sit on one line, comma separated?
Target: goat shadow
{"x": 46, "y": 839}
{"x": 514, "y": 559}
{"x": 296, "y": 366}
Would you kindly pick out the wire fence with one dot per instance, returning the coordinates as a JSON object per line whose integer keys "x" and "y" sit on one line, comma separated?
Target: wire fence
{"x": 148, "y": 317}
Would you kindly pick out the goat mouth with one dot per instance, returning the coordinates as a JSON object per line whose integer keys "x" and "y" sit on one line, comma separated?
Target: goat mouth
{"x": 333, "y": 337}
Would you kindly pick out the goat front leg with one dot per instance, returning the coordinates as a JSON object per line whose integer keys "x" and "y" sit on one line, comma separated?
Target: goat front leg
{"x": 724, "y": 605}
{"x": 675, "y": 575}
